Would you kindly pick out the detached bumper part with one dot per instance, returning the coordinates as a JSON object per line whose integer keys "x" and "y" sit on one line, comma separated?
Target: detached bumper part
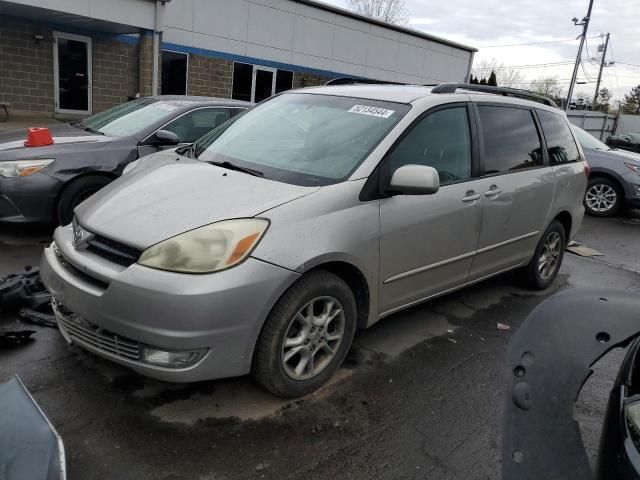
{"x": 30, "y": 448}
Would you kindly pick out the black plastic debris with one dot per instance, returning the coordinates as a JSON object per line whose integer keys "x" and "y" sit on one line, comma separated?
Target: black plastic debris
{"x": 15, "y": 338}
{"x": 38, "y": 318}
{"x": 24, "y": 289}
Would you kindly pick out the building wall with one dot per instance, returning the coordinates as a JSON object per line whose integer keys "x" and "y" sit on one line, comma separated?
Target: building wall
{"x": 27, "y": 70}
{"x": 209, "y": 76}
{"x": 26, "y": 67}
{"x": 297, "y": 36}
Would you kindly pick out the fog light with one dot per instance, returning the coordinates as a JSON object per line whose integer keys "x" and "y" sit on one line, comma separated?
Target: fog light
{"x": 178, "y": 359}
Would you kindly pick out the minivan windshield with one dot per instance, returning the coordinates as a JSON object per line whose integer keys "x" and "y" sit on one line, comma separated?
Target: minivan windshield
{"x": 129, "y": 118}
{"x": 589, "y": 141}
{"x": 301, "y": 138}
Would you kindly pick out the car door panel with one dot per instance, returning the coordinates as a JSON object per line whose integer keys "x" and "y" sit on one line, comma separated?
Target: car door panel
{"x": 513, "y": 220}
{"x": 427, "y": 243}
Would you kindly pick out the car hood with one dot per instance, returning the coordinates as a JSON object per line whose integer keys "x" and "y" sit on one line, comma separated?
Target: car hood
{"x": 64, "y": 136}
{"x": 175, "y": 195}
{"x": 603, "y": 157}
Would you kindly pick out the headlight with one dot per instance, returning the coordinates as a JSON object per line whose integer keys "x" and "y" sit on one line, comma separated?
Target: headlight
{"x": 207, "y": 249}
{"x": 22, "y": 168}
{"x": 634, "y": 168}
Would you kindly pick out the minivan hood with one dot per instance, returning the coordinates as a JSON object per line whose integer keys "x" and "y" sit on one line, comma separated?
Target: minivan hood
{"x": 628, "y": 157}
{"x": 175, "y": 195}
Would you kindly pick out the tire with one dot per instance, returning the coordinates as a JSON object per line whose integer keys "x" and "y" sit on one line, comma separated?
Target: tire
{"x": 75, "y": 193}
{"x": 537, "y": 277}
{"x": 289, "y": 319}
{"x": 603, "y": 197}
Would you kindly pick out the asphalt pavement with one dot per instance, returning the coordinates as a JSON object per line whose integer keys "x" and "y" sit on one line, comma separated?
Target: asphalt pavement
{"x": 420, "y": 395}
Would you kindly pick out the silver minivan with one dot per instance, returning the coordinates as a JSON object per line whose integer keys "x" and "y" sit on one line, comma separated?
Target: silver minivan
{"x": 266, "y": 244}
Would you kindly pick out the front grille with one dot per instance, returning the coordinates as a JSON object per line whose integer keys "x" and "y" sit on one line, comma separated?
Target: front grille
{"x": 113, "y": 251}
{"x": 76, "y": 271}
{"x": 84, "y": 332}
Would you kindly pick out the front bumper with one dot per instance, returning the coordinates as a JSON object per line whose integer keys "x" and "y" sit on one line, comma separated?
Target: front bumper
{"x": 28, "y": 199}
{"x": 222, "y": 312}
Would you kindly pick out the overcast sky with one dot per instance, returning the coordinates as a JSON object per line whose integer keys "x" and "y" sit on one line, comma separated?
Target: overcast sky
{"x": 487, "y": 23}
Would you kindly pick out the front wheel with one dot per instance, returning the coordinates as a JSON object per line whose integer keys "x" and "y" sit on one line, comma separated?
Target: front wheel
{"x": 543, "y": 267}
{"x": 603, "y": 197}
{"x": 306, "y": 336}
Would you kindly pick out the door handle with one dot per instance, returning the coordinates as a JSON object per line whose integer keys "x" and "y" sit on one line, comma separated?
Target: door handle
{"x": 471, "y": 197}
{"x": 494, "y": 191}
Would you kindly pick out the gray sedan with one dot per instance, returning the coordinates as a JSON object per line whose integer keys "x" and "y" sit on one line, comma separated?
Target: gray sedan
{"x": 614, "y": 182}
{"x": 43, "y": 184}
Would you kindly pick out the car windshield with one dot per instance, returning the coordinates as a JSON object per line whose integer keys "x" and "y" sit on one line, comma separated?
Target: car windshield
{"x": 304, "y": 139}
{"x": 129, "y": 118}
{"x": 589, "y": 141}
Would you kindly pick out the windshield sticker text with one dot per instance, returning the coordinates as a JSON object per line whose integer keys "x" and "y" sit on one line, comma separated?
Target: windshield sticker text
{"x": 373, "y": 111}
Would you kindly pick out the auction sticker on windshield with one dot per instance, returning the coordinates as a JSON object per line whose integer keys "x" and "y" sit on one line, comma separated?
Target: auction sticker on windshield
{"x": 373, "y": 111}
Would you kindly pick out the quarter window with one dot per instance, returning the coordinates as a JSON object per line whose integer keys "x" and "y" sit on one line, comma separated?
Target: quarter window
{"x": 511, "y": 140}
{"x": 560, "y": 143}
{"x": 442, "y": 141}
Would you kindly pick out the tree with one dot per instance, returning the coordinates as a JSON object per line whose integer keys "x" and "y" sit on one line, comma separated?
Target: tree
{"x": 547, "y": 86}
{"x": 492, "y": 79}
{"x": 603, "y": 101}
{"x": 505, "y": 76}
{"x": 390, "y": 11}
{"x": 631, "y": 101}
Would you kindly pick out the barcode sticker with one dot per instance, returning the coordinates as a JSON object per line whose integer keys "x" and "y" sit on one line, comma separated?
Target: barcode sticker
{"x": 372, "y": 111}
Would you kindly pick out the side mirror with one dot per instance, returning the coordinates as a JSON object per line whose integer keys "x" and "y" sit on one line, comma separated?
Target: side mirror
{"x": 164, "y": 138}
{"x": 415, "y": 180}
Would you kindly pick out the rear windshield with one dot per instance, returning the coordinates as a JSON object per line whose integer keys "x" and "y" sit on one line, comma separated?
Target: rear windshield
{"x": 305, "y": 139}
{"x": 130, "y": 118}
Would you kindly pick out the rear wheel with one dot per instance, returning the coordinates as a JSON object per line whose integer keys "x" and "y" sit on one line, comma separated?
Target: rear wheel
{"x": 75, "y": 193}
{"x": 543, "y": 267}
{"x": 307, "y": 336}
{"x": 603, "y": 197}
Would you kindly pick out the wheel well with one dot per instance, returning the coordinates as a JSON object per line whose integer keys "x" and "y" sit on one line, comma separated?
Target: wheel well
{"x": 70, "y": 182}
{"x": 565, "y": 219}
{"x": 357, "y": 283}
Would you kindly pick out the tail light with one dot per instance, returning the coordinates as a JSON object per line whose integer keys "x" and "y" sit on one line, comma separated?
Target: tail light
{"x": 587, "y": 168}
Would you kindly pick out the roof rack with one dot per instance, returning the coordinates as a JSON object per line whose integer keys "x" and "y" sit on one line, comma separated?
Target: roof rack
{"x": 355, "y": 81}
{"x": 451, "y": 87}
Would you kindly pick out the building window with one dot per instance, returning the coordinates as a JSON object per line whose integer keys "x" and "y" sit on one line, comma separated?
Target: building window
{"x": 254, "y": 83}
{"x": 174, "y": 73}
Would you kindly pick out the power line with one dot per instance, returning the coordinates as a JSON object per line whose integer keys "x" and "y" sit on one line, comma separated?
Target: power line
{"x": 533, "y": 43}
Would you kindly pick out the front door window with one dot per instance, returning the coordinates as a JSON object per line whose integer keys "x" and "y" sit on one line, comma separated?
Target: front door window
{"x": 72, "y": 57}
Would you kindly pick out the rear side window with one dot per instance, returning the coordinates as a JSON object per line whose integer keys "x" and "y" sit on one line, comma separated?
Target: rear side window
{"x": 560, "y": 143}
{"x": 440, "y": 140}
{"x": 511, "y": 140}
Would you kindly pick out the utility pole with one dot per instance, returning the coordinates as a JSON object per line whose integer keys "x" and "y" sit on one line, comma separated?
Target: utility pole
{"x": 585, "y": 26}
{"x": 602, "y": 65}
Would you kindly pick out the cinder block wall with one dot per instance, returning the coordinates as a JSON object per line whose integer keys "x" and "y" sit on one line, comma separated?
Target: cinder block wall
{"x": 26, "y": 68}
{"x": 209, "y": 76}
{"x": 27, "y": 73}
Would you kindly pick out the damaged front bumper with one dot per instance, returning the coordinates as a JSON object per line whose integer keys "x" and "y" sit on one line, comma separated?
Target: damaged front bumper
{"x": 30, "y": 448}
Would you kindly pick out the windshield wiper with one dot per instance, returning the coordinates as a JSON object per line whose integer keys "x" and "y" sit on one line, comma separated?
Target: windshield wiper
{"x": 89, "y": 129}
{"x": 233, "y": 166}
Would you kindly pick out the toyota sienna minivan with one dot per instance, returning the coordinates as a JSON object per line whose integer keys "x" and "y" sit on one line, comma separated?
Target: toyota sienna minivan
{"x": 264, "y": 246}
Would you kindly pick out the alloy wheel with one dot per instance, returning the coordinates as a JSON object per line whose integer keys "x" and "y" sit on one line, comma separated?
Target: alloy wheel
{"x": 312, "y": 338}
{"x": 601, "y": 198}
{"x": 551, "y": 250}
